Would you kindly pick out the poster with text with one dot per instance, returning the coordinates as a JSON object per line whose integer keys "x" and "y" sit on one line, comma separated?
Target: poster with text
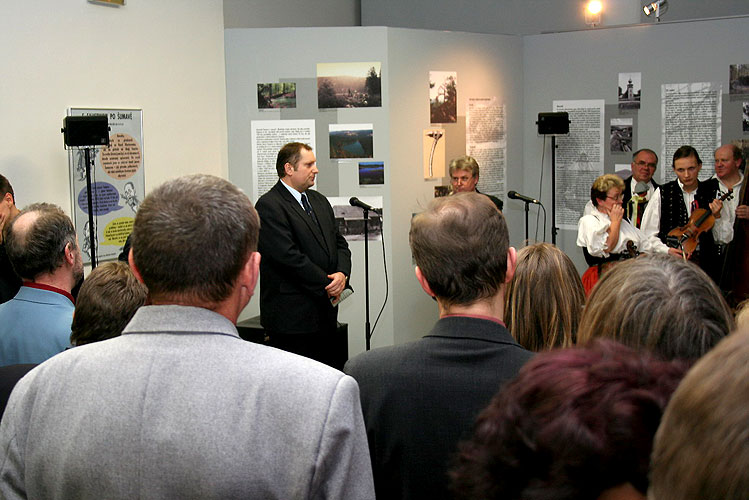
{"x": 117, "y": 183}
{"x": 268, "y": 137}
{"x": 690, "y": 115}
{"x": 486, "y": 142}
{"x": 579, "y": 158}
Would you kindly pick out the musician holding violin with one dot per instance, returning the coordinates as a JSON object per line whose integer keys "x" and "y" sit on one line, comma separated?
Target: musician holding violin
{"x": 671, "y": 209}
{"x": 605, "y": 235}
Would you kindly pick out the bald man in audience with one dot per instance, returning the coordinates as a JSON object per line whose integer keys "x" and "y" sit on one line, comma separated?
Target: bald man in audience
{"x": 420, "y": 398}
{"x": 43, "y": 248}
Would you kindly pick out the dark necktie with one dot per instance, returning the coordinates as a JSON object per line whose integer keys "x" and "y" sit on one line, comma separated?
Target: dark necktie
{"x": 308, "y": 208}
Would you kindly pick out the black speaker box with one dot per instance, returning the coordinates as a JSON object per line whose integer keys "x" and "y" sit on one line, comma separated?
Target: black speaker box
{"x": 86, "y": 130}
{"x": 553, "y": 123}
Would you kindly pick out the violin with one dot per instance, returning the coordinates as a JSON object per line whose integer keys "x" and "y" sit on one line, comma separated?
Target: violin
{"x": 686, "y": 237}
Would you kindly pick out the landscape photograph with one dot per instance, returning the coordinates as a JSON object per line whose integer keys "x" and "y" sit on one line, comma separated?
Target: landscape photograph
{"x": 276, "y": 95}
{"x": 371, "y": 172}
{"x": 351, "y": 141}
{"x": 349, "y": 85}
{"x": 443, "y": 97}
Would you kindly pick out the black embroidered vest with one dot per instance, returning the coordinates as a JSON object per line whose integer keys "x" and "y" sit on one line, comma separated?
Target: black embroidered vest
{"x": 673, "y": 210}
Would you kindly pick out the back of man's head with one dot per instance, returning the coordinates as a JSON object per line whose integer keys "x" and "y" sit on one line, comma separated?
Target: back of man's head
{"x": 191, "y": 238}
{"x": 106, "y": 302}
{"x": 460, "y": 244}
{"x": 37, "y": 238}
{"x": 700, "y": 450}
{"x": 659, "y": 303}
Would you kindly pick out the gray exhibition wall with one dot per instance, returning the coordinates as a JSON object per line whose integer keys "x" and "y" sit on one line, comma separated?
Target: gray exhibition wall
{"x": 487, "y": 66}
{"x": 586, "y": 64}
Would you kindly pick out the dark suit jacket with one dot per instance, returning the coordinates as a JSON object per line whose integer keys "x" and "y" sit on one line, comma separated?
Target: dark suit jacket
{"x": 297, "y": 257}
{"x": 419, "y": 399}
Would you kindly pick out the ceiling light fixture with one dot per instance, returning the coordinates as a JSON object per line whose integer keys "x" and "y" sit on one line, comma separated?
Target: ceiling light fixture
{"x": 593, "y": 13}
{"x": 655, "y": 7}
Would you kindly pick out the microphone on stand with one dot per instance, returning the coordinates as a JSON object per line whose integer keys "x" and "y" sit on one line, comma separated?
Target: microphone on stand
{"x": 356, "y": 202}
{"x": 517, "y": 196}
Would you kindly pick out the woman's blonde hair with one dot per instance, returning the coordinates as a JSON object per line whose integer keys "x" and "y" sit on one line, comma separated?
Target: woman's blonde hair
{"x": 545, "y": 298}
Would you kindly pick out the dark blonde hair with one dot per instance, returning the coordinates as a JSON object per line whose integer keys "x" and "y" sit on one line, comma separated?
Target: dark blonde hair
{"x": 545, "y": 299}
{"x": 700, "y": 450}
{"x": 106, "y": 303}
{"x": 601, "y": 187}
{"x": 467, "y": 163}
{"x": 659, "y": 303}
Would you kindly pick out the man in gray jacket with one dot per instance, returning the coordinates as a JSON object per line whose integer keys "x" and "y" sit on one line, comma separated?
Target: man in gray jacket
{"x": 179, "y": 406}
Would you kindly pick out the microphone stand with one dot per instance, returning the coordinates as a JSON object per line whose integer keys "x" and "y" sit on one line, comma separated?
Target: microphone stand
{"x": 367, "y": 328}
{"x": 553, "y": 190}
{"x": 527, "y": 206}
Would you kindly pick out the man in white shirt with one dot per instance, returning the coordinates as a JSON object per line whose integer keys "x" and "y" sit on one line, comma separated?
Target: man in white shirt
{"x": 727, "y": 162}
{"x": 672, "y": 205}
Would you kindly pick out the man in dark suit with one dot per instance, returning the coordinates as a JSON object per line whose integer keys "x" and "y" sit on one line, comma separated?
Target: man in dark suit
{"x": 644, "y": 163}
{"x": 419, "y": 399}
{"x": 306, "y": 262}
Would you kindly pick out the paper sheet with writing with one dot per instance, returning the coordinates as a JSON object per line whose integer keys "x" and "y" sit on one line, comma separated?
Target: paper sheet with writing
{"x": 486, "y": 141}
{"x": 268, "y": 136}
{"x": 690, "y": 115}
{"x": 579, "y": 158}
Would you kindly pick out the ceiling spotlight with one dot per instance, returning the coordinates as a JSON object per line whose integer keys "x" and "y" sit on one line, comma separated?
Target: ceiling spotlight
{"x": 655, "y": 7}
{"x": 593, "y": 13}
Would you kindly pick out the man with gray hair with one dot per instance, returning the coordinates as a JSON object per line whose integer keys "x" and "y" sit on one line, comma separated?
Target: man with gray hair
{"x": 42, "y": 246}
{"x": 179, "y": 406}
{"x": 464, "y": 176}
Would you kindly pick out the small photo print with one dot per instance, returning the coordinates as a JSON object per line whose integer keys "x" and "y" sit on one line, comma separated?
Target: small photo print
{"x": 371, "y": 173}
{"x": 351, "y": 140}
{"x": 745, "y": 119}
{"x": 443, "y": 96}
{"x": 738, "y": 79}
{"x": 620, "y": 138}
{"x": 349, "y": 85}
{"x": 630, "y": 90}
{"x": 276, "y": 95}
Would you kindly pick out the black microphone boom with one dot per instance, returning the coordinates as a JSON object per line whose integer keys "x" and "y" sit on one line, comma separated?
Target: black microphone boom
{"x": 517, "y": 196}
{"x": 356, "y": 202}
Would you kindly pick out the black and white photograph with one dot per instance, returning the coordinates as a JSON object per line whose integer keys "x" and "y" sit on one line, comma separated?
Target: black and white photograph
{"x": 620, "y": 138}
{"x": 738, "y": 79}
{"x": 630, "y": 90}
{"x": 349, "y": 85}
{"x": 443, "y": 96}
{"x": 276, "y": 95}
{"x": 350, "y": 219}
{"x": 745, "y": 115}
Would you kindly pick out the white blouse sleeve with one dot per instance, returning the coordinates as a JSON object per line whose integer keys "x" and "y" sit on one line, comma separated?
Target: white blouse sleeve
{"x": 592, "y": 235}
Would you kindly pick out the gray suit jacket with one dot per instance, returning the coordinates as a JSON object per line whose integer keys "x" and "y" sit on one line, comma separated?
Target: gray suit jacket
{"x": 180, "y": 407}
{"x": 419, "y": 399}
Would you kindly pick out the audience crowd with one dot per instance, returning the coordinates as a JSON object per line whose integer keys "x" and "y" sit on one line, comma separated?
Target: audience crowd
{"x": 532, "y": 384}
